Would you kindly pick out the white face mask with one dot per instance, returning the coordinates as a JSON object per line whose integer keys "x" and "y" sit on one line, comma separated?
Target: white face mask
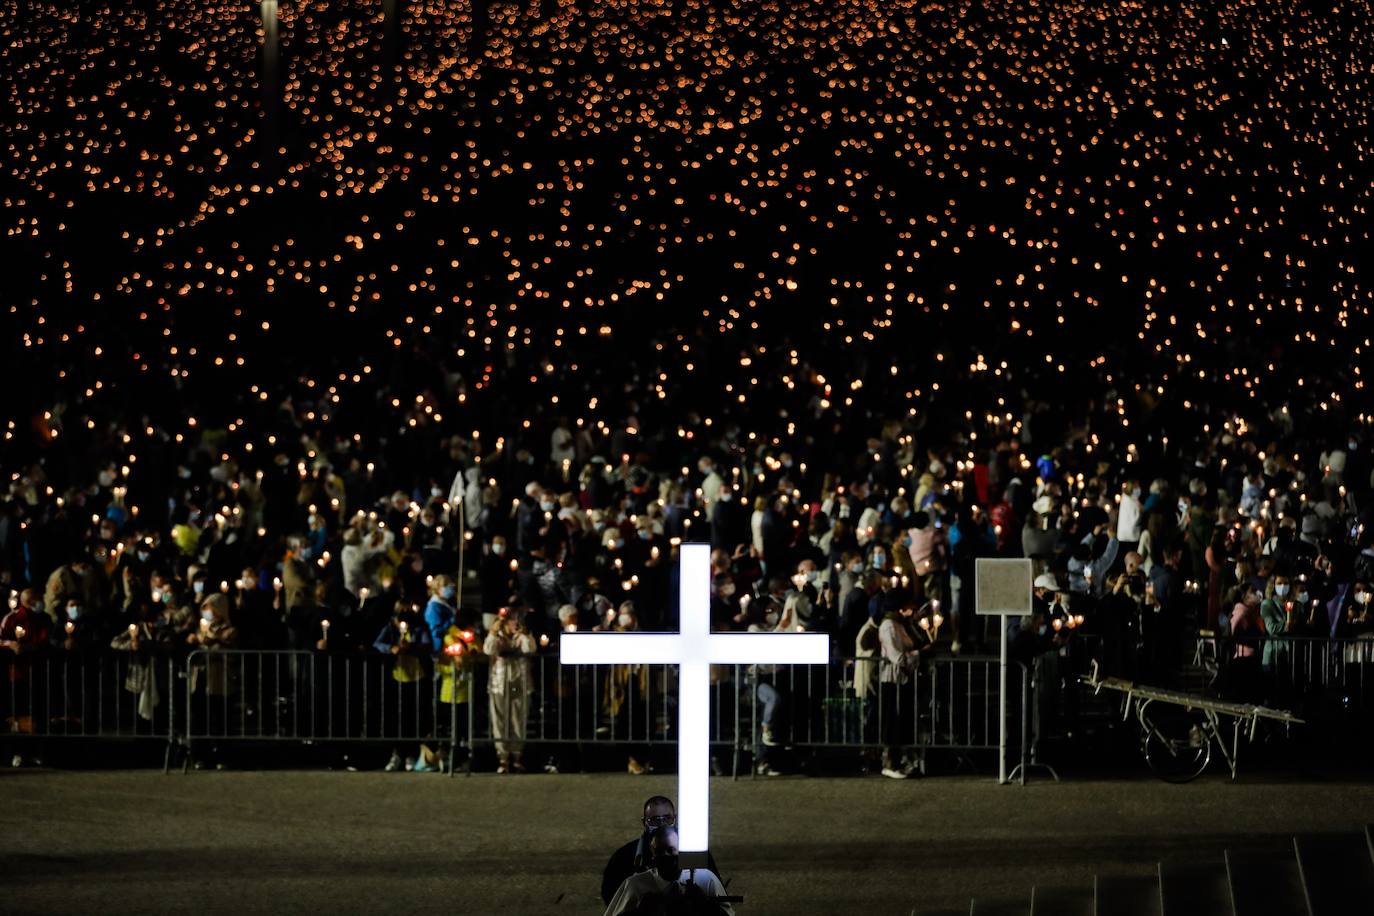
{"x": 1281, "y": 590}
{"x": 624, "y": 620}
{"x": 498, "y": 549}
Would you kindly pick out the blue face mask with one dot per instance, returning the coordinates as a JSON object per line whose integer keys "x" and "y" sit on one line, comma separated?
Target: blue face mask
{"x": 1043, "y": 629}
{"x": 448, "y": 591}
{"x": 198, "y": 587}
{"x": 73, "y": 611}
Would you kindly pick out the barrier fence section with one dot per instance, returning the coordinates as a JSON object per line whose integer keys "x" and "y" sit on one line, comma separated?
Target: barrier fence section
{"x": 108, "y": 695}
{"x": 220, "y": 696}
{"x": 1291, "y": 668}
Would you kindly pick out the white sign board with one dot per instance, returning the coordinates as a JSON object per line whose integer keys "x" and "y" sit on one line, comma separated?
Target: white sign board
{"x": 1002, "y": 587}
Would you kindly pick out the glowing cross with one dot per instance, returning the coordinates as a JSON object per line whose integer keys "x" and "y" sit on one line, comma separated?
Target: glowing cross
{"x": 694, "y": 649}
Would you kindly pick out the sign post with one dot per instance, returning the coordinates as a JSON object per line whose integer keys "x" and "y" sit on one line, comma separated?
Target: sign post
{"x": 1002, "y": 589}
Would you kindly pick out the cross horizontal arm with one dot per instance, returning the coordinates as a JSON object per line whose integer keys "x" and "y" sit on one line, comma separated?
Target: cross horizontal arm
{"x": 768, "y": 649}
{"x": 620, "y": 649}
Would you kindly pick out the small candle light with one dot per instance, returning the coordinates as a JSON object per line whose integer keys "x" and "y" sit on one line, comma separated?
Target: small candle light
{"x": 405, "y": 628}
{"x": 544, "y": 640}
{"x": 133, "y": 630}
{"x": 19, "y": 633}
{"x": 276, "y": 583}
{"x": 71, "y": 628}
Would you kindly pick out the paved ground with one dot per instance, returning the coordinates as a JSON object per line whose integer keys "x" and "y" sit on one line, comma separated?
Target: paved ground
{"x": 375, "y": 843}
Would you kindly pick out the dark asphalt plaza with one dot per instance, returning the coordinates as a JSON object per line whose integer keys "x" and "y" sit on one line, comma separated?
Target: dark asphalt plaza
{"x": 371, "y": 843}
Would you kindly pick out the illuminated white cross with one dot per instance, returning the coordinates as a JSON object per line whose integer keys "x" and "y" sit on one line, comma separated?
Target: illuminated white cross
{"x": 694, "y": 649}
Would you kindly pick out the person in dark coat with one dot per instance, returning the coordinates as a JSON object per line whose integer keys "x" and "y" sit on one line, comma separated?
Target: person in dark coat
{"x": 633, "y": 857}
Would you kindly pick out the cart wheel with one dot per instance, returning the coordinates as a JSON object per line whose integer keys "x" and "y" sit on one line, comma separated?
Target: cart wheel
{"x": 1176, "y": 747}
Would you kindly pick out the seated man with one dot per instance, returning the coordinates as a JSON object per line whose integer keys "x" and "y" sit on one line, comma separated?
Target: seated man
{"x": 633, "y": 856}
{"x": 667, "y": 889}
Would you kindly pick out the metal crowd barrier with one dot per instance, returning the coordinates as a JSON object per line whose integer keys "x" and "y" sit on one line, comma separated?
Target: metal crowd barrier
{"x": 1298, "y": 666}
{"x": 239, "y": 696}
{"x": 104, "y": 695}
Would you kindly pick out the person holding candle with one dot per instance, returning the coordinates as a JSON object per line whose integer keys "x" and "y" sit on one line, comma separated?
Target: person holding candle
{"x": 509, "y": 645}
{"x": 142, "y": 639}
{"x": 214, "y": 676}
{"x": 24, "y": 631}
{"x": 901, "y": 651}
{"x": 1279, "y": 615}
{"x": 407, "y": 640}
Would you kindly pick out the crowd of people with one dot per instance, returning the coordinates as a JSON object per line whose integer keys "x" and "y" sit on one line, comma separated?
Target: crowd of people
{"x": 439, "y": 355}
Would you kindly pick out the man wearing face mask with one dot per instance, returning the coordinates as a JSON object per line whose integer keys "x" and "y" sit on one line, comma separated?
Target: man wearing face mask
{"x": 634, "y": 856}
{"x": 668, "y": 888}
{"x": 74, "y": 580}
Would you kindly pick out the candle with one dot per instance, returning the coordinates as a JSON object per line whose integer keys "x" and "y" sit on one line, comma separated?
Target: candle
{"x": 204, "y": 625}
{"x": 19, "y": 634}
{"x": 224, "y": 585}
{"x": 544, "y": 640}
{"x": 1058, "y": 624}
{"x": 71, "y": 627}
{"x": 133, "y": 630}
{"x": 405, "y": 628}
{"x": 276, "y": 583}
{"x": 938, "y": 620}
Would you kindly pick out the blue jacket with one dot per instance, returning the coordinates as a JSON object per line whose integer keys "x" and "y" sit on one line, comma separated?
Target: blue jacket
{"x": 439, "y": 616}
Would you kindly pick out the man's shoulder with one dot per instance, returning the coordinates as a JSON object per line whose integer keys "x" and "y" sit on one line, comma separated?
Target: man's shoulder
{"x": 626, "y": 852}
